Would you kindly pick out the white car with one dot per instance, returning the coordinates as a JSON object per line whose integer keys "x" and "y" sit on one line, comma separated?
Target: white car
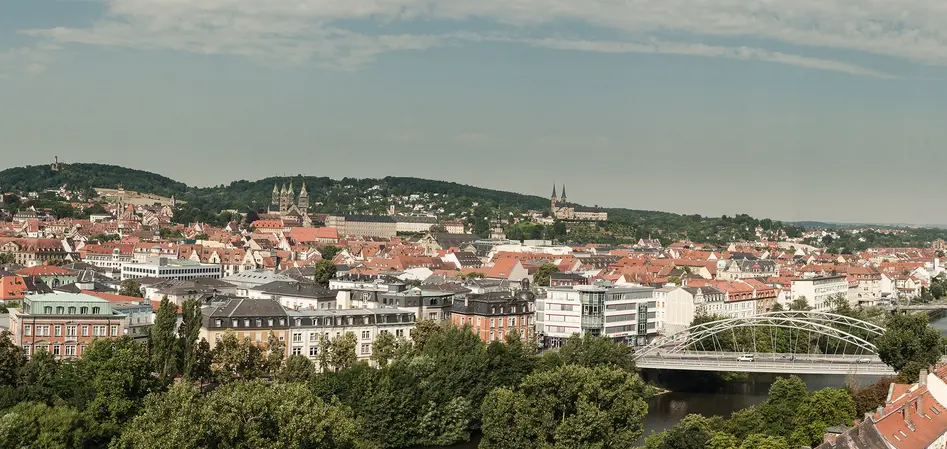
{"x": 864, "y": 360}
{"x": 745, "y": 358}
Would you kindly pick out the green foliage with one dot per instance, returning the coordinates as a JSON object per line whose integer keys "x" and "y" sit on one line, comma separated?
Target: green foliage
{"x": 12, "y": 359}
{"x": 800, "y": 303}
{"x": 590, "y": 352}
{"x": 79, "y": 176}
{"x": 342, "y": 351}
{"x": 824, "y": 408}
{"x": 130, "y": 287}
{"x": 165, "y": 351}
{"x": 31, "y": 424}
{"x": 384, "y": 348}
{"x": 908, "y": 338}
{"x": 296, "y": 368}
{"x": 570, "y": 407}
{"x": 188, "y": 333}
{"x": 119, "y": 376}
{"x": 235, "y": 359}
{"x": 329, "y": 251}
{"x": 869, "y": 398}
{"x": 692, "y": 432}
{"x": 275, "y": 353}
{"x": 324, "y": 271}
{"x": 541, "y": 276}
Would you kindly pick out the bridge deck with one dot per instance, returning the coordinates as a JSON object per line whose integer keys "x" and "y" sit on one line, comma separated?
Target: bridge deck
{"x": 767, "y": 363}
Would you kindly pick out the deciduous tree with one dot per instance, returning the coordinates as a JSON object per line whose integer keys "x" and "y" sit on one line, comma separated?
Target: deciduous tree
{"x": 163, "y": 341}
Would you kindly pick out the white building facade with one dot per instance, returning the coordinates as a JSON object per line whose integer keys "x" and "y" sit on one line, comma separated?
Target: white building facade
{"x": 165, "y": 268}
{"x": 818, "y": 290}
{"x": 627, "y": 314}
{"x": 308, "y": 327}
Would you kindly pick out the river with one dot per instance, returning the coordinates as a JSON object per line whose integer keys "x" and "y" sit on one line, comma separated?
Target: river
{"x": 668, "y": 409}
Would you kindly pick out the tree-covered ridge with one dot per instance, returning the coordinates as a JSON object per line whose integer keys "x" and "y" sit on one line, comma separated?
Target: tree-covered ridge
{"x": 81, "y": 176}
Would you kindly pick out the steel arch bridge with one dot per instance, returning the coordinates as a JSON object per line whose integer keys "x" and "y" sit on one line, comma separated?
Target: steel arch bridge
{"x": 699, "y": 347}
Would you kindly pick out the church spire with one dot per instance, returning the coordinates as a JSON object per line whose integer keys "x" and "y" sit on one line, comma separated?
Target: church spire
{"x": 563, "y": 198}
{"x": 554, "y": 191}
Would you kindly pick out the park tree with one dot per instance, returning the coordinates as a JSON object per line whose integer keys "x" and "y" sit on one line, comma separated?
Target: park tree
{"x": 130, "y": 287}
{"x": 590, "y": 351}
{"x": 119, "y": 374}
{"x": 422, "y": 332}
{"x": 342, "y": 351}
{"x": 33, "y": 424}
{"x": 594, "y": 407}
{"x": 275, "y": 353}
{"x": 908, "y": 338}
{"x": 800, "y": 303}
{"x": 937, "y": 290}
{"x": 12, "y": 359}
{"x": 693, "y": 432}
{"x": 384, "y": 348}
{"x": 188, "y": 333}
{"x": 39, "y": 377}
{"x": 169, "y": 419}
{"x": 296, "y": 368}
{"x": 542, "y": 275}
{"x": 163, "y": 341}
{"x": 324, "y": 271}
{"x": 820, "y": 410}
{"x": 236, "y": 358}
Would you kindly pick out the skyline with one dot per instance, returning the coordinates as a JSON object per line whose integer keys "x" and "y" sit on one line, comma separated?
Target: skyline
{"x": 793, "y": 110}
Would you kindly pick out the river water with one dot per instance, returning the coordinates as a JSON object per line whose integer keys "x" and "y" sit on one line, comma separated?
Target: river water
{"x": 668, "y": 409}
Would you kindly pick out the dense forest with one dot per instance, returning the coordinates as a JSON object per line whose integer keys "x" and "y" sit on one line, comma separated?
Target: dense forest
{"x": 478, "y": 207}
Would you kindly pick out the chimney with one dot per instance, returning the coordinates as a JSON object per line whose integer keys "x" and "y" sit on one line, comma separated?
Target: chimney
{"x": 908, "y": 415}
{"x": 922, "y": 377}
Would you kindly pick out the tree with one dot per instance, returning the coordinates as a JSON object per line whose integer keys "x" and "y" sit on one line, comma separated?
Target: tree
{"x": 296, "y": 368}
{"x": 821, "y": 409}
{"x": 937, "y": 290}
{"x": 722, "y": 440}
{"x": 383, "y": 348}
{"x": 119, "y": 375}
{"x": 571, "y": 406}
{"x": 342, "y": 351}
{"x": 869, "y": 398}
{"x": 800, "y": 303}
{"x": 31, "y": 424}
{"x": 693, "y": 432}
{"x": 63, "y": 210}
{"x": 39, "y": 376}
{"x": 188, "y": 333}
{"x": 6, "y": 258}
{"x": 542, "y": 274}
{"x": 275, "y": 352}
{"x": 163, "y": 341}
{"x": 422, "y": 332}
{"x": 324, "y": 271}
{"x": 12, "y": 359}
{"x": 590, "y": 352}
{"x": 329, "y": 251}
{"x": 203, "y": 361}
{"x": 170, "y": 419}
{"x": 130, "y": 287}
{"x": 909, "y": 338}
{"x": 236, "y": 359}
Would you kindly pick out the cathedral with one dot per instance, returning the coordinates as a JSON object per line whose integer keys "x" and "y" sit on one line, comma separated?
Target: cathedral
{"x": 288, "y": 206}
{"x": 562, "y": 209}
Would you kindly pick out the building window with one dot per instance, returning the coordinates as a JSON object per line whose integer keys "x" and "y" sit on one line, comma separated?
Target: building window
{"x": 85, "y": 330}
{"x": 99, "y": 331}
{"x": 27, "y": 330}
{"x": 71, "y": 351}
{"x": 366, "y": 348}
{"x": 95, "y": 310}
{"x": 72, "y": 311}
{"x": 114, "y": 331}
{"x": 512, "y": 321}
{"x": 366, "y": 335}
{"x": 313, "y": 351}
{"x": 83, "y": 310}
{"x": 56, "y": 350}
{"x": 269, "y": 322}
{"x": 57, "y": 330}
{"x": 399, "y": 333}
{"x": 259, "y": 322}
{"x": 60, "y": 310}
{"x": 42, "y": 330}
{"x": 48, "y": 310}
{"x": 26, "y": 349}
{"x": 297, "y": 351}
{"x": 297, "y": 338}
{"x": 235, "y": 323}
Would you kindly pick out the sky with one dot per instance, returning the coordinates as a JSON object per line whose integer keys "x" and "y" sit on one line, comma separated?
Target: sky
{"x": 788, "y": 109}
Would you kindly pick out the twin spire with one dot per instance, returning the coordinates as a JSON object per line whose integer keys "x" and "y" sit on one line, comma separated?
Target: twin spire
{"x": 554, "y": 196}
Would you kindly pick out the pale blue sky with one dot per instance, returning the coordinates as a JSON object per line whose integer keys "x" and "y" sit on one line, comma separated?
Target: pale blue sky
{"x": 791, "y": 109}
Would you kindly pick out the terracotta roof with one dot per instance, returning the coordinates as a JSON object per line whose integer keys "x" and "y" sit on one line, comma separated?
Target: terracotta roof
{"x": 44, "y": 270}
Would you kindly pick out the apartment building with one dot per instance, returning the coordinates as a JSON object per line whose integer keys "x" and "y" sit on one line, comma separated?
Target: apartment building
{"x": 64, "y": 323}
{"x": 492, "y": 316}
{"x": 252, "y": 318}
{"x": 307, "y": 327}
{"x": 626, "y": 314}
{"x": 819, "y": 289}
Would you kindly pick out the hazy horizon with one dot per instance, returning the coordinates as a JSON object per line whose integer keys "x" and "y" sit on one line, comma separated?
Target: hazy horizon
{"x": 795, "y": 110}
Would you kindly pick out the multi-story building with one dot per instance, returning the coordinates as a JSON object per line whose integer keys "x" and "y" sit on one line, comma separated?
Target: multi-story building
{"x": 364, "y": 225}
{"x": 567, "y": 279}
{"x": 494, "y": 315}
{"x": 869, "y": 284}
{"x": 247, "y": 280}
{"x": 682, "y": 304}
{"x": 430, "y": 302}
{"x": 414, "y": 224}
{"x": 818, "y": 290}
{"x": 251, "y": 318}
{"x": 165, "y": 268}
{"x": 35, "y": 251}
{"x": 64, "y": 323}
{"x": 296, "y": 295}
{"x": 626, "y": 314}
{"x": 308, "y": 327}
{"x": 729, "y": 270}
{"x": 52, "y": 276}
{"x": 139, "y": 313}
{"x": 108, "y": 257}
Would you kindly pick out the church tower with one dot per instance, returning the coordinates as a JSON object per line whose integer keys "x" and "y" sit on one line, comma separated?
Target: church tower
{"x": 290, "y": 198}
{"x": 554, "y": 199}
{"x": 562, "y": 198}
{"x": 282, "y": 199}
{"x": 274, "y": 199}
{"x": 303, "y": 203}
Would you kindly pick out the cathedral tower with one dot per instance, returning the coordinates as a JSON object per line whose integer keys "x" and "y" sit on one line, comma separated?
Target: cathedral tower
{"x": 283, "y": 205}
{"x": 274, "y": 199}
{"x": 563, "y": 197}
{"x": 554, "y": 198}
{"x": 303, "y": 202}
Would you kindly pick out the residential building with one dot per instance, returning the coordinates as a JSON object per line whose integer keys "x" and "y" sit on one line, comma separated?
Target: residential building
{"x": 463, "y": 259}
{"x": 682, "y": 304}
{"x": 52, "y": 276}
{"x": 30, "y": 252}
{"x": 308, "y": 327}
{"x": 296, "y": 295}
{"x": 430, "y": 302}
{"x": 869, "y": 283}
{"x": 414, "y": 224}
{"x": 139, "y": 312}
{"x": 247, "y": 280}
{"x": 626, "y": 314}
{"x": 818, "y": 290}
{"x": 733, "y": 269}
{"x": 166, "y": 268}
{"x": 493, "y": 315}
{"x": 567, "y": 279}
{"x": 364, "y": 225}
{"x": 255, "y": 319}
{"x": 64, "y": 323}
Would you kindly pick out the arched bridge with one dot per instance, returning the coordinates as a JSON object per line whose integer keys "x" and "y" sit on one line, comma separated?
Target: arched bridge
{"x": 791, "y": 342}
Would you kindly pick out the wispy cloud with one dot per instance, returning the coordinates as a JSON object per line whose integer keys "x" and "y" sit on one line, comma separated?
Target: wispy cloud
{"x": 284, "y": 32}
{"x": 32, "y": 60}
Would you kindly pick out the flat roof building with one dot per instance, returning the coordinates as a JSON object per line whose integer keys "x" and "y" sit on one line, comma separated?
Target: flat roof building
{"x": 166, "y": 268}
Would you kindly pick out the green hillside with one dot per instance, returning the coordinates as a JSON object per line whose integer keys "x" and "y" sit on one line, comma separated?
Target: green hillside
{"x": 80, "y": 177}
